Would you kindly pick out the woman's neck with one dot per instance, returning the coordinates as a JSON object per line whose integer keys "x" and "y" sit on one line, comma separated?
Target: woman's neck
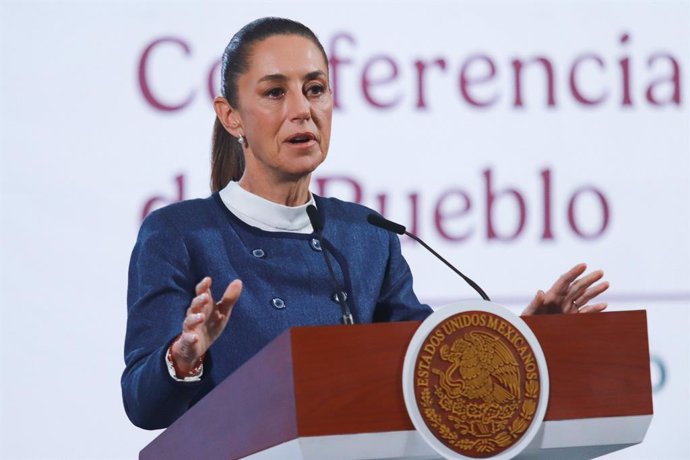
{"x": 287, "y": 193}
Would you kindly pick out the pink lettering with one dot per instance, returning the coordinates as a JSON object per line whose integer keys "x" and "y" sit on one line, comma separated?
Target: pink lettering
{"x": 144, "y": 82}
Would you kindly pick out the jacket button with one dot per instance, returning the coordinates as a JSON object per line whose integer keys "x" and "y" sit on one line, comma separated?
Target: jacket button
{"x": 259, "y": 253}
{"x": 278, "y": 303}
{"x": 315, "y": 244}
{"x": 334, "y": 297}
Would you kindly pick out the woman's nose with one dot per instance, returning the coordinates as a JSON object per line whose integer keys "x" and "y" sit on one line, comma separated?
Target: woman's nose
{"x": 299, "y": 106}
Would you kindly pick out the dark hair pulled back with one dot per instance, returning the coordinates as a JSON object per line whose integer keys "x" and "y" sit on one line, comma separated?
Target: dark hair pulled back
{"x": 227, "y": 156}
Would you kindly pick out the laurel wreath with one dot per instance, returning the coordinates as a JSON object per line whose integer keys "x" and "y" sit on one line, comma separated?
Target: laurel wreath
{"x": 502, "y": 439}
{"x": 529, "y": 406}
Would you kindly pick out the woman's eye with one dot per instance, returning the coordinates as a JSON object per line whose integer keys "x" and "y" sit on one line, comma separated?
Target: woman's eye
{"x": 316, "y": 90}
{"x": 275, "y": 92}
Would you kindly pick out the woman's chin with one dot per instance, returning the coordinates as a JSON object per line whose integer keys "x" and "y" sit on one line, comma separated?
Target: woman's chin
{"x": 304, "y": 166}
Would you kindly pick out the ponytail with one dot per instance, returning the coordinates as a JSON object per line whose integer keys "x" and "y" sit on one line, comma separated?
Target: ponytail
{"x": 227, "y": 158}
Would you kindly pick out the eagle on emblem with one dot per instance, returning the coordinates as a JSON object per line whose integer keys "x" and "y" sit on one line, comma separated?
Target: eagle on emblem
{"x": 482, "y": 367}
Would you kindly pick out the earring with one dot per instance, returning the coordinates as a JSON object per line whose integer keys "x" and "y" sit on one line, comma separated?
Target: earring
{"x": 240, "y": 140}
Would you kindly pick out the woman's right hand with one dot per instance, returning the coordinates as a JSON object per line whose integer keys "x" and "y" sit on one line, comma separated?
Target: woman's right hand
{"x": 203, "y": 324}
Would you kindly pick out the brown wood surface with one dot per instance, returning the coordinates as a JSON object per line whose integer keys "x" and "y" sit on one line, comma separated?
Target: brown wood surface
{"x": 598, "y": 364}
{"x": 353, "y": 384}
{"x": 598, "y": 367}
{"x": 331, "y": 380}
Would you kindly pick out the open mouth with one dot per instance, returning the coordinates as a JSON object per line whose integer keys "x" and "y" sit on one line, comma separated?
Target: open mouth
{"x": 301, "y": 138}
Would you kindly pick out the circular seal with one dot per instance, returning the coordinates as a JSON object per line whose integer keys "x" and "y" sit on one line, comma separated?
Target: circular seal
{"x": 475, "y": 381}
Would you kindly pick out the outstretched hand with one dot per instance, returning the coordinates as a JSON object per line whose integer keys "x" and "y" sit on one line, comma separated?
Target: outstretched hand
{"x": 203, "y": 324}
{"x": 570, "y": 294}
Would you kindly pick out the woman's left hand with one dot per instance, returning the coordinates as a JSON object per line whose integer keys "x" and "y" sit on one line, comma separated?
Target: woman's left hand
{"x": 570, "y": 294}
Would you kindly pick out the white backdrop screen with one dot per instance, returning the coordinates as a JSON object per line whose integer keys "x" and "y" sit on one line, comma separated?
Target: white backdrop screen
{"x": 518, "y": 138}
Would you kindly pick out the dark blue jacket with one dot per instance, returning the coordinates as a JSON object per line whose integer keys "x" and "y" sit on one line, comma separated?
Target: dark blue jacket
{"x": 180, "y": 244}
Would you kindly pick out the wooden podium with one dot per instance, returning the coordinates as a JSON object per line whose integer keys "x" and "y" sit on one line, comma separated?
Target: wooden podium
{"x": 335, "y": 392}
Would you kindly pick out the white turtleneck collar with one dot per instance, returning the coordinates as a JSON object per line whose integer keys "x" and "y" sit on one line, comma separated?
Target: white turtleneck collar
{"x": 264, "y": 214}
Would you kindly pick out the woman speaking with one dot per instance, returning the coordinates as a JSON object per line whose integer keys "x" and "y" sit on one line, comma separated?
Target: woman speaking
{"x": 212, "y": 281}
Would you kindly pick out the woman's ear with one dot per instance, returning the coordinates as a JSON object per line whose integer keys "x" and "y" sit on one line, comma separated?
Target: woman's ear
{"x": 228, "y": 116}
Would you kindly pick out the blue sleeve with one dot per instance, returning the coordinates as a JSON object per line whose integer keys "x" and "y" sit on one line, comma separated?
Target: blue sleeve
{"x": 161, "y": 286}
{"x": 398, "y": 302}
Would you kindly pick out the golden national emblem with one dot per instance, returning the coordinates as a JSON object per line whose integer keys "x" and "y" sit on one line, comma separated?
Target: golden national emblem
{"x": 476, "y": 383}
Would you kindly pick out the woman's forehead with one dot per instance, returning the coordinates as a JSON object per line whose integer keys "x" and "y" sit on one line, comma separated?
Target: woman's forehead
{"x": 286, "y": 55}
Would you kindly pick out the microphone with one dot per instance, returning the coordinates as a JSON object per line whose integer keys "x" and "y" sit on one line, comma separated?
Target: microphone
{"x": 317, "y": 224}
{"x": 315, "y": 218}
{"x": 378, "y": 221}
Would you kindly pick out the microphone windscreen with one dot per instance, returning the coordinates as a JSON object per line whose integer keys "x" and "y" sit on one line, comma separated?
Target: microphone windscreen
{"x": 315, "y": 218}
{"x": 375, "y": 219}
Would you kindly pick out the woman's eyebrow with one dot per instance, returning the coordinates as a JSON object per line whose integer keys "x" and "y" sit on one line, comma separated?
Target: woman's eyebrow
{"x": 315, "y": 74}
{"x": 273, "y": 77}
{"x": 280, "y": 77}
